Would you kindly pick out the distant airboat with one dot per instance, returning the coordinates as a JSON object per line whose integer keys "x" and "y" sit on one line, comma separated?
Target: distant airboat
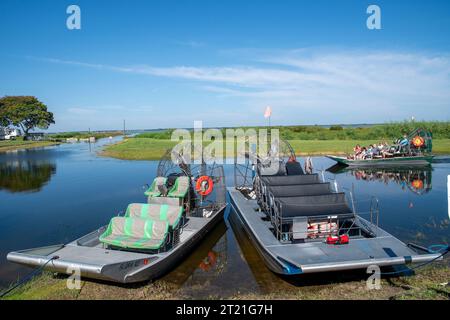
{"x": 412, "y": 150}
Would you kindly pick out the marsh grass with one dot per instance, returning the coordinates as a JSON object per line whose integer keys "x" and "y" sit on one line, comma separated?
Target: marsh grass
{"x": 8, "y": 145}
{"x": 154, "y": 149}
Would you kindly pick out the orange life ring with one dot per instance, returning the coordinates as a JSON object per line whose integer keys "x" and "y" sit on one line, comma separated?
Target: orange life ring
{"x": 209, "y": 261}
{"x": 417, "y": 184}
{"x": 418, "y": 141}
{"x": 199, "y": 186}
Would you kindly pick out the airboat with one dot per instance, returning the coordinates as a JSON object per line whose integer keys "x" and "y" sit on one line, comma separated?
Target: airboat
{"x": 300, "y": 223}
{"x": 184, "y": 202}
{"x": 401, "y": 160}
{"x": 413, "y": 150}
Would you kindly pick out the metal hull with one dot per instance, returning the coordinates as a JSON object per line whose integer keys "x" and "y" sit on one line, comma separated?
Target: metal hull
{"x": 93, "y": 261}
{"x": 317, "y": 256}
{"x": 399, "y": 161}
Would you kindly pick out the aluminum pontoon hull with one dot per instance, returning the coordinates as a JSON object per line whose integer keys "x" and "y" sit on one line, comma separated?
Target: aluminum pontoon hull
{"x": 398, "y": 161}
{"x": 88, "y": 257}
{"x": 314, "y": 257}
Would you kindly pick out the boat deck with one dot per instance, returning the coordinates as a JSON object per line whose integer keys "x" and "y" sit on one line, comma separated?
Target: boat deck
{"x": 94, "y": 260}
{"x": 318, "y": 256}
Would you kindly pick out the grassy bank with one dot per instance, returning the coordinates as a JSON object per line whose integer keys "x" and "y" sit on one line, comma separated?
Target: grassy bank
{"x": 426, "y": 284}
{"x": 378, "y": 132}
{"x": 153, "y": 149}
{"x": 53, "y": 139}
{"x": 85, "y": 135}
{"x": 138, "y": 149}
{"x": 8, "y": 145}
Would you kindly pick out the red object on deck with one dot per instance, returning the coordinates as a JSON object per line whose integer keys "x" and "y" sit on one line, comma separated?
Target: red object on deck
{"x": 332, "y": 239}
{"x": 344, "y": 239}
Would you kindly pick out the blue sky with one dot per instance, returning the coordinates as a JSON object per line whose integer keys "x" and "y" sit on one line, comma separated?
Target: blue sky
{"x": 168, "y": 63}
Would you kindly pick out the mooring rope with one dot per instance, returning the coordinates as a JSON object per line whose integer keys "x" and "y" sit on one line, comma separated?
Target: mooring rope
{"x": 443, "y": 248}
{"x": 28, "y": 277}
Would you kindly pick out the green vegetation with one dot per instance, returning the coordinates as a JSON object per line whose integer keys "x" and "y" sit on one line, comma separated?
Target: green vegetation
{"x": 306, "y": 140}
{"x": 26, "y": 112}
{"x": 324, "y": 147}
{"x": 163, "y": 135}
{"x": 138, "y": 149}
{"x": 427, "y": 284}
{"x": 441, "y": 146}
{"x": 84, "y": 135}
{"x": 388, "y": 131}
{"x": 53, "y": 139}
{"x": 8, "y": 145}
{"x": 44, "y": 286}
{"x": 154, "y": 149}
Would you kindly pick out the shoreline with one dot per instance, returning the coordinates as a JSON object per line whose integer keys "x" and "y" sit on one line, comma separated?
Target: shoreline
{"x": 427, "y": 283}
{"x": 55, "y": 139}
{"x": 148, "y": 149}
{"x": 23, "y": 145}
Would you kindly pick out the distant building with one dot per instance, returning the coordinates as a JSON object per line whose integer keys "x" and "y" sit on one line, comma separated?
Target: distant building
{"x": 9, "y": 133}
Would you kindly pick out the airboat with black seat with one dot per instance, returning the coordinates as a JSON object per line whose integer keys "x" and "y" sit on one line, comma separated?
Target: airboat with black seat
{"x": 184, "y": 202}
{"x": 299, "y": 223}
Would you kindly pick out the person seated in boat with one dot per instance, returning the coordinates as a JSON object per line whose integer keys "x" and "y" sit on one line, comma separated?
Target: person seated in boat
{"x": 369, "y": 152}
{"x": 384, "y": 150}
{"x": 362, "y": 155}
{"x": 404, "y": 141}
{"x": 380, "y": 145}
{"x": 404, "y": 144}
{"x": 376, "y": 152}
{"x": 356, "y": 152}
{"x": 380, "y": 148}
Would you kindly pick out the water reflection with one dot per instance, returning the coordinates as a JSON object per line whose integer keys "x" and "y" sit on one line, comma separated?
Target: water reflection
{"x": 416, "y": 180}
{"x": 208, "y": 260}
{"x": 25, "y": 175}
{"x": 266, "y": 280}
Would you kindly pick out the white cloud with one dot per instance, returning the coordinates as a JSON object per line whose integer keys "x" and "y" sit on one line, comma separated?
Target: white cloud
{"x": 385, "y": 83}
{"x": 103, "y": 117}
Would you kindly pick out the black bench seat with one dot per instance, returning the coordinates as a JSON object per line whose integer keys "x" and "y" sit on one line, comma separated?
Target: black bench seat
{"x": 290, "y": 180}
{"x": 310, "y": 189}
{"x": 310, "y": 206}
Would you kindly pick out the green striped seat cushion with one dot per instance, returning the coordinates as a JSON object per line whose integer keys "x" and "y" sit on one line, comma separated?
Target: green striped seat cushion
{"x": 164, "y": 212}
{"x": 180, "y": 188}
{"x": 135, "y": 233}
{"x": 153, "y": 190}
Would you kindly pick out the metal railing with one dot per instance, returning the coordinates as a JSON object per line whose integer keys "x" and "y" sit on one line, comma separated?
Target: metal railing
{"x": 349, "y": 224}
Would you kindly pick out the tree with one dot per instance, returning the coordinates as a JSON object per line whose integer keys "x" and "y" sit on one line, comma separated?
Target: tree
{"x": 4, "y": 122}
{"x": 26, "y": 112}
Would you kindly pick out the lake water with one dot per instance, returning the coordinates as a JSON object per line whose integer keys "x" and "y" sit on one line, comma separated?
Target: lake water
{"x": 57, "y": 194}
